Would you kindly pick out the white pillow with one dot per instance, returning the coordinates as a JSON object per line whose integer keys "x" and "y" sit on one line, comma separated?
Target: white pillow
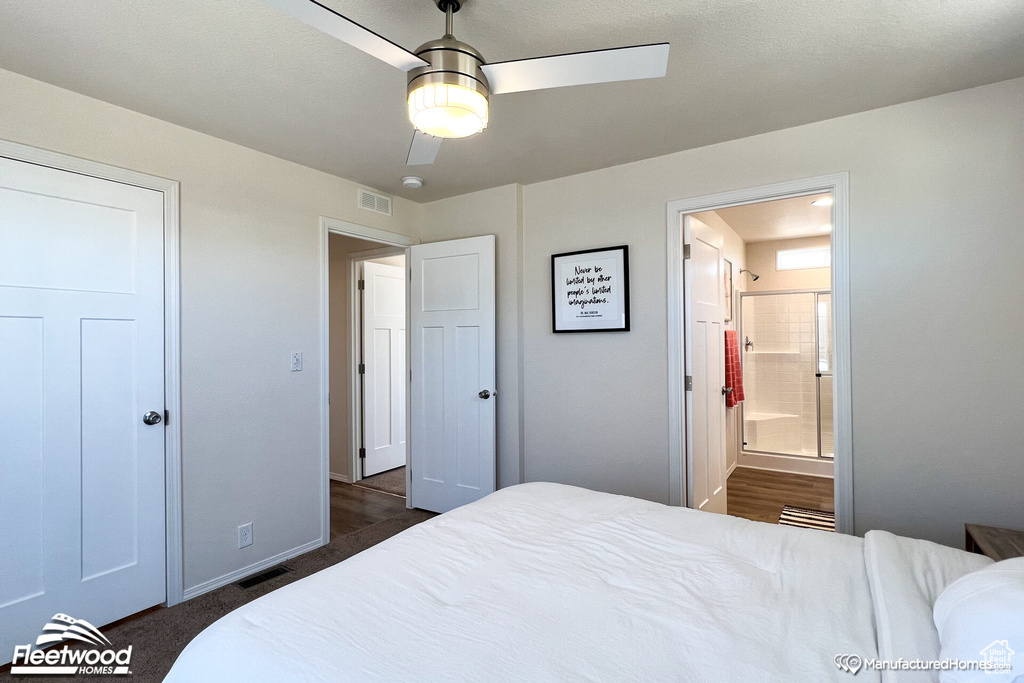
{"x": 980, "y": 617}
{"x": 907, "y": 576}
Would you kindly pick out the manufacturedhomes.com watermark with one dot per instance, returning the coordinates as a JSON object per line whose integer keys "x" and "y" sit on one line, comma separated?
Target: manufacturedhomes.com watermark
{"x": 854, "y": 663}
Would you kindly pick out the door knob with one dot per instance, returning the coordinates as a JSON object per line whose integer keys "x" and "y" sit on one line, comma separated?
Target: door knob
{"x": 484, "y": 394}
{"x": 726, "y": 391}
{"x": 152, "y": 418}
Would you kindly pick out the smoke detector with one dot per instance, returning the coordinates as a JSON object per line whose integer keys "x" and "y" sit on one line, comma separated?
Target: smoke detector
{"x": 412, "y": 182}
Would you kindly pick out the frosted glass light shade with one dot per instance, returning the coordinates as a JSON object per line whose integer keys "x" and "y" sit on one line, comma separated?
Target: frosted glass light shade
{"x": 447, "y": 111}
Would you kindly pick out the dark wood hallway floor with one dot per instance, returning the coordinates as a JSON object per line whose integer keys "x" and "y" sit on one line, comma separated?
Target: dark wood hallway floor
{"x": 354, "y": 507}
{"x": 760, "y": 495}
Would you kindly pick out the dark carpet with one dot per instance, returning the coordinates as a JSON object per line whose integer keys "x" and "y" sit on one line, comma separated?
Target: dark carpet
{"x": 157, "y": 637}
{"x": 392, "y": 481}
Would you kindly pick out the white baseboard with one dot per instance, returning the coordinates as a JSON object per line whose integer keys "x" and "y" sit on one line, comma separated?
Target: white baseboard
{"x": 343, "y": 478}
{"x": 254, "y": 568}
{"x": 732, "y": 468}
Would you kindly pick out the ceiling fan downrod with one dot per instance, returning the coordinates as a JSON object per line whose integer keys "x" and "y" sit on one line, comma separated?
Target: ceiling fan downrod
{"x": 449, "y": 7}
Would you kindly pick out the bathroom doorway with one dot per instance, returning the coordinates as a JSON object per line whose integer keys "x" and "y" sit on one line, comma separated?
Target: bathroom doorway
{"x": 785, "y": 319}
{"x": 784, "y": 424}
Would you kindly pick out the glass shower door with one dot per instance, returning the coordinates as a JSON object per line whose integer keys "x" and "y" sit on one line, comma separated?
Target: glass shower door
{"x": 779, "y": 365}
{"x": 786, "y": 345}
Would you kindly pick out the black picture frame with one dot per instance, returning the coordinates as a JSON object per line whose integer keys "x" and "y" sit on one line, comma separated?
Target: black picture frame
{"x": 618, "y": 315}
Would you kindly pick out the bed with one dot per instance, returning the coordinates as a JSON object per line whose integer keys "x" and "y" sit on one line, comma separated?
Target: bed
{"x": 545, "y": 582}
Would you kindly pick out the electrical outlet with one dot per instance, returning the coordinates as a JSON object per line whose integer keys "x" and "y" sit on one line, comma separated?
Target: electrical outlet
{"x": 245, "y": 535}
{"x": 297, "y": 361}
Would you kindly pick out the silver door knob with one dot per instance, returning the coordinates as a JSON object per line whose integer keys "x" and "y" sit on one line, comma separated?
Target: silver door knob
{"x": 726, "y": 391}
{"x": 152, "y": 418}
{"x": 484, "y": 394}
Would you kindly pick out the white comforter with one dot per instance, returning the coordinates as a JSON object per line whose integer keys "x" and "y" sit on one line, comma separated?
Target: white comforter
{"x": 543, "y": 582}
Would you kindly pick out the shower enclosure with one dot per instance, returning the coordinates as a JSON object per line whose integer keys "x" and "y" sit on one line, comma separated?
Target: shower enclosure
{"x": 786, "y": 340}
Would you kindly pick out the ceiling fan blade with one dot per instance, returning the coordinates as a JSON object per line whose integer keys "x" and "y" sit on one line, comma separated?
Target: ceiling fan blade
{"x": 578, "y": 68}
{"x": 423, "y": 150}
{"x": 325, "y": 19}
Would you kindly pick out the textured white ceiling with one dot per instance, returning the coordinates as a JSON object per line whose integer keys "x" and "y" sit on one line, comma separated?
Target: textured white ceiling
{"x": 242, "y": 71}
{"x": 778, "y": 220}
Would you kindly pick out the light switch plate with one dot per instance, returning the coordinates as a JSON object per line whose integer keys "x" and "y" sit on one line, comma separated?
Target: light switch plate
{"x": 297, "y": 361}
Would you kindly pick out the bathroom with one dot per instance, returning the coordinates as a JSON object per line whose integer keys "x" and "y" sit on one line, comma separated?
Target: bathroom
{"x": 779, "y": 436}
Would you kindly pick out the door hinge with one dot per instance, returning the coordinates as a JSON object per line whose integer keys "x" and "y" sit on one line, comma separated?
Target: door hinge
{"x": 362, "y": 368}
{"x": 686, "y": 252}
{"x": 167, "y": 417}
{"x": 362, "y": 284}
{"x": 362, "y": 452}
{"x": 688, "y": 383}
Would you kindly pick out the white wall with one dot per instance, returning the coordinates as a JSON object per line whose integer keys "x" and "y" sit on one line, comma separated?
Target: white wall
{"x": 250, "y": 263}
{"x": 937, "y": 199}
{"x": 493, "y": 212}
{"x": 936, "y": 235}
{"x": 398, "y": 260}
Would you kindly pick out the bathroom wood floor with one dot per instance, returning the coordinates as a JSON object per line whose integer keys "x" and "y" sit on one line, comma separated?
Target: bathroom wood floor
{"x": 760, "y": 495}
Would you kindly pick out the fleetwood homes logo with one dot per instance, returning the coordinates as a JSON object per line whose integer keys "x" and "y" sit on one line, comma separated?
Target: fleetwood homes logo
{"x": 98, "y": 658}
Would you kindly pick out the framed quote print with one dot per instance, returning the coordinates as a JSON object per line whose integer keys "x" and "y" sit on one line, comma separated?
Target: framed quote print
{"x": 590, "y": 290}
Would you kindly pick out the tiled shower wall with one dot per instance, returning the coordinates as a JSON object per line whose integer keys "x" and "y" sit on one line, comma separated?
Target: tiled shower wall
{"x": 780, "y": 412}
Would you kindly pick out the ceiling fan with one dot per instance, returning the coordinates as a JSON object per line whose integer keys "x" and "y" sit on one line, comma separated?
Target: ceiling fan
{"x": 449, "y": 83}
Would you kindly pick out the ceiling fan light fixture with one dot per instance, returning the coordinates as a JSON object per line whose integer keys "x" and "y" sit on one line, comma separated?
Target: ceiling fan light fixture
{"x": 450, "y": 83}
{"x": 448, "y": 96}
{"x": 448, "y": 110}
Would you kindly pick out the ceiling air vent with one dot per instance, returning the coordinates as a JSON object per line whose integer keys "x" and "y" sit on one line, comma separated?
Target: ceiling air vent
{"x": 371, "y": 201}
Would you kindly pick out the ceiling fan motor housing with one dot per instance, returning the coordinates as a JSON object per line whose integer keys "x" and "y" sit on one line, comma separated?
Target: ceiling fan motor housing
{"x": 451, "y": 62}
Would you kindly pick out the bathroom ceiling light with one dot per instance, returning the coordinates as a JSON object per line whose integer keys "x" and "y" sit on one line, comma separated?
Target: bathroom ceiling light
{"x": 412, "y": 182}
{"x": 824, "y": 201}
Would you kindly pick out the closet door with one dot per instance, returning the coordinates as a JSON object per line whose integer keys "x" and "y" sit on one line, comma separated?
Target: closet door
{"x": 81, "y": 400}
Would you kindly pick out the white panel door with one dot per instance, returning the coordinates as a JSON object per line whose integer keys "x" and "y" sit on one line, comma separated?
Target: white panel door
{"x": 384, "y": 379}
{"x": 452, "y": 401}
{"x": 81, "y": 361}
{"x": 703, "y": 297}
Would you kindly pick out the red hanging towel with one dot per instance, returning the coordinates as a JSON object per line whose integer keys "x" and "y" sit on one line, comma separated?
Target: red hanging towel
{"x": 733, "y": 369}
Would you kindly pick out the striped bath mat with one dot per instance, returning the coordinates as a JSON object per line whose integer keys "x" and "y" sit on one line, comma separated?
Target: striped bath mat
{"x": 808, "y": 518}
